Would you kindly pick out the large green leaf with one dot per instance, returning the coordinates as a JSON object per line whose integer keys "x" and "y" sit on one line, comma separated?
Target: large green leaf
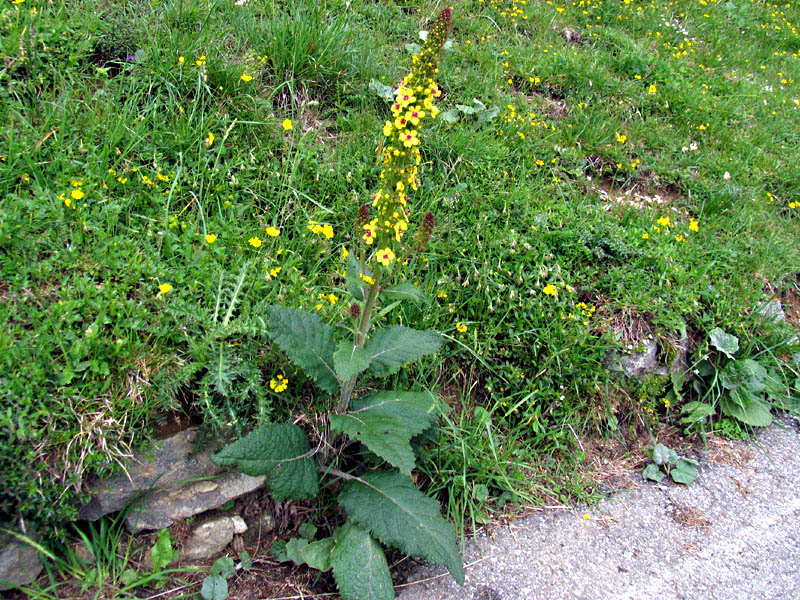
{"x": 279, "y": 451}
{"x": 399, "y": 515}
{"x": 359, "y": 565}
{"x": 385, "y": 423}
{"x": 354, "y": 283}
{"x": 307, "y": 341}
{"x": 723, "y": 341}
{"x": 393, "y": 347}
{"x": 405, "y": 291}
{"x": 746, "y": 407}
{"x": 349, "y": 361}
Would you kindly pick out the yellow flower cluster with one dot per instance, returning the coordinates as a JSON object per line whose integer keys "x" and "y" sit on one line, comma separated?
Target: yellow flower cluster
{"x": 414, "y": 102}
{"x": 279, "y": 384}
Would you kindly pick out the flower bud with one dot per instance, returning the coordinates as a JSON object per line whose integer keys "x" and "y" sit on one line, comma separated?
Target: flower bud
{"x": 355, "y": 310}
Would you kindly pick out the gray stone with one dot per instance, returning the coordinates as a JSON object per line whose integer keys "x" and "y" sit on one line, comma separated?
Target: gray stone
{"x": 175, "y": 481}
{"x": 772, "y": 311}
{"x": 212, "y": 537}
{"x": 648, "y": 361}
{"x": 19, "y": 563}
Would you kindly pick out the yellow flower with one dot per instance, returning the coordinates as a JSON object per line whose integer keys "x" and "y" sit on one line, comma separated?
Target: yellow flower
{"x": 76, "y": 182}
{"x": 385, "y": 257}
{"x": 620, "y": 137}
{"x": 679, "y": 237}
{"x": 211, "y": 238}
{"x": 181, "y": 60}
{"x": 254, "y": 242}
{"x": 67, "y": 202}
{"x": 366, "y": 279}
{"x": 287, "y": 124}
{"x": 161, "y": 177}
{"x": 461, "y": 327}
{"x": 645, "y": 236}
{"x": 279, "y": 384}
{"x": 332, "y": 298}
{"x": 273, "y": 231}
{"x": 164, "y": 288}
{"x": 200, "y": 61}
{"x": 550, "y": 290}
{"x": 245, "y": 77}
{"x": 345, "y": 253}
{"x": 694, "y": 225}
{"x": 274, "y": 271}
{"x": 210, "y": 139}
{"x": 663, "y": 221}
{"x": 327, "y": 231}
{"x": 652, "y": 89}
{"x": 76, "y": 194}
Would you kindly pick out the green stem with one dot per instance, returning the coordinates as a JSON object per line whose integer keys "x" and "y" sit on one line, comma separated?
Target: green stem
{"x": 360, "y": 338}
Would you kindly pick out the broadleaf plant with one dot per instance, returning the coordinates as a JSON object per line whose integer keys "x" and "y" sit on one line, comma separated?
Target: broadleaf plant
{"x": 383, "y": 505}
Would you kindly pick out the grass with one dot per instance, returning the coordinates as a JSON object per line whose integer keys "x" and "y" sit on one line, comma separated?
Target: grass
{"x": 130, "y": 135}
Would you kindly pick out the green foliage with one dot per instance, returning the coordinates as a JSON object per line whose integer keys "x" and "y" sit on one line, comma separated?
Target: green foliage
{"x": 280, "y": 452}
{"x": 399, "y": 515}
{"x": 162, "y": 553}
{"x": 667, "y": 462}
{"x": 391, "y": 348}
{"x": 359, "y": 565}
{"x": 385, "y": 423}
{"x": 307, "y": 341}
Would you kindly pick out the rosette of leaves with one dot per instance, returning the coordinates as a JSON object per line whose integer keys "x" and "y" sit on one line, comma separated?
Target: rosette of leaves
{"x": 383, "y": 505}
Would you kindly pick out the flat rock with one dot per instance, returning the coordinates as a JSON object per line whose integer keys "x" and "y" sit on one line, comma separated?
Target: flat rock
{"x": 175, "y": 481}
{"x": 19, "y": 563}
{"x": 647, "y": 361}
{"x": 212, "y": 537}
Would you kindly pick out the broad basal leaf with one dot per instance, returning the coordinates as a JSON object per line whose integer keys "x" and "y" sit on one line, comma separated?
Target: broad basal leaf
{"x": 307, "y": 341}
{"x": 725, "y": 342}
{"x": 385, "y": 423}
{"x": 746, "y": 407}
{"x": 684, "y": 472}
{"x": 279, "y": 451}
{"x": 405, "y": 291}
{"x": 349, "y": 361}
{"x": 359, "y": 565}
{"x": 399, "y": 515}
{"x": 393, "y": 347}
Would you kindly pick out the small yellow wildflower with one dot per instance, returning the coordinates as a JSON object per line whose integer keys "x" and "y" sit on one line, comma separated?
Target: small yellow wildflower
{"x": 210, "y": 139}
{"x": 345, "y": 253}
{"x": 679, "y": 238}
{"x": 274, "y": 271}
{"x": 652, "y": 89}
{"x": 181, "y": 60}
{"x": 620, "y": 137}
{"x": 332, "y": 298}
{"x": 550, "y": 290}
{"x": 76, "y": 194}
{"x": 287, "y": 124}
{"x": 17, "y": 1}
{"x": 279, "y": 384}
{"x": 327, "y": 231}
{"x": 162, "y": 177}
{"x": 76, "y": 182}
{"x": 164, "y": 288}
{"x": 254, "y": 242}
{"x": 273, "y": 231}
{"x": 211, "y": 238}
{"x": 366, "y": 279}
{"x": 245, "y": 77}
{"x": 200, "y": 61}
{"x": 441, "y": 294}
{"x": 645, "y": 236}
{"x": 461, "y": 328}
{"x": 587, "y": 516}
{"x": 663, "y": 221}
{"x": 694, "y": 225}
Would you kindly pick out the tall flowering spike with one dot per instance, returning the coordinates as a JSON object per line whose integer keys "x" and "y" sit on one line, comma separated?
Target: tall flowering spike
{"x": 414, "y": 103}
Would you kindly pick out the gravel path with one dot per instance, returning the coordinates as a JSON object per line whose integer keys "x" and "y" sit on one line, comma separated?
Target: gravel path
{"x": 732, "y": 534}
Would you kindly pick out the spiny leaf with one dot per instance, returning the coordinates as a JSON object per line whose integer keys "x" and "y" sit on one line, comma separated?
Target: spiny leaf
{"x": 307, "y": 341}
{"x": 385, "y": 423}
{"x": 399, "y": 515}
{"x": 349, "y": 361}
{"x": 395, "y": 346}
{"x": 359, "y": 565}
{"x": 281, "y": 452}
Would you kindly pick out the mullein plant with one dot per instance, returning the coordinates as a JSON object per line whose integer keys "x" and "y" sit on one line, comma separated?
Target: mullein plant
{"x": 380, "y": 500}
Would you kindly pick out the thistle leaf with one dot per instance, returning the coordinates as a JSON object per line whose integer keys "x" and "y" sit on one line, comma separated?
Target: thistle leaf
{"x": 399, "y": 515}
{"x": 359, "y": 565}
{"x": 349, "y": 361}
{"x": 279, "y": 451}
{"x": 406, "y": 291}
{"x": 395, "y": 346}
{"x": 385, "y": 423}
{"x": 307, "y": 341}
